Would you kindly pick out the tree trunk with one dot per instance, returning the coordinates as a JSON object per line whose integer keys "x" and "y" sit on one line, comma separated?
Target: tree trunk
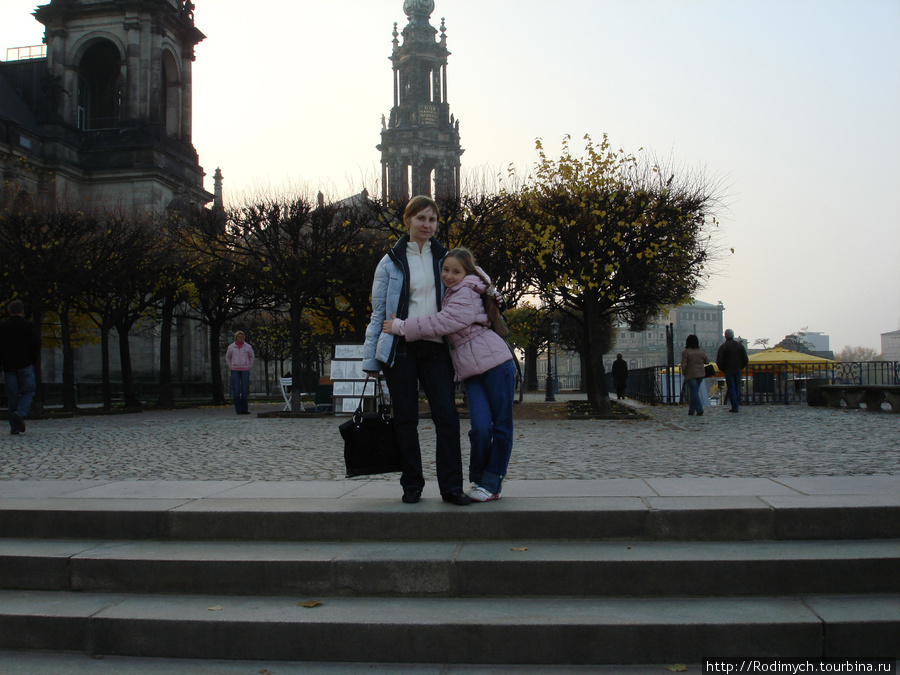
{"x": 105, "y": 377}
{"x": 531, "y": 379}
{"x": 69, "y": 398}
{"x": 297, "y": 361}
{"x": 266, "y": 362}
{"x": 37, "y": 316}
{"x": 166, "y": 399}
{"x": 128, "y": 392}
{"x": 597, "y": 391}
{"x": 215, "y": 368}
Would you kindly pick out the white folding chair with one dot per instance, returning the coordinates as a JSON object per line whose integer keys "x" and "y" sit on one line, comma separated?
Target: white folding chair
{"x": 286, "y": 392}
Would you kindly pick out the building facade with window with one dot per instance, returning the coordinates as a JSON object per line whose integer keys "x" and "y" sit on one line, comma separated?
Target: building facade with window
{"x": 100, "y": 115}
{"x": 648, "y": 348}
{"x": 890, "y": 346}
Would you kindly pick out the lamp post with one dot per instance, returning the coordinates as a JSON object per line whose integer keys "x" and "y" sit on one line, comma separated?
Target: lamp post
{"x": 554, "y": 334}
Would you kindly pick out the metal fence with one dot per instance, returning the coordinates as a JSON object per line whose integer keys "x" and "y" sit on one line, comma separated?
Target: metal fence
{"x": 50, "y": 394}
{"x": 762, "y": 384}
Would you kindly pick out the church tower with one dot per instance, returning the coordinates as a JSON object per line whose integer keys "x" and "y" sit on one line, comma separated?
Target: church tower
{"x": 117, "y": 96}
{"x": 420, "y": 140}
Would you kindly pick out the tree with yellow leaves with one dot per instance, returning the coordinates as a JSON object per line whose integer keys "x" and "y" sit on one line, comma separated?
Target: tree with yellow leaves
{"x": 613, "y": 236}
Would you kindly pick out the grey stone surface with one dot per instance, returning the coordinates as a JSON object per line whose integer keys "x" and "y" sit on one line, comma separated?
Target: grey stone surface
{"x": 510, "y": 630}
{"x": 524, "y": 567}
{"x": 213, "y": 444}
{"x": 29, "y": 663}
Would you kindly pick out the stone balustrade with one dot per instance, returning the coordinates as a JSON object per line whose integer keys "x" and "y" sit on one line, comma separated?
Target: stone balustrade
{"x": 873, "y": 395}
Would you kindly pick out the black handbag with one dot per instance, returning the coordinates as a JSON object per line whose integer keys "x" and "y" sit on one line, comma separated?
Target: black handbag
{"x": 369, "y": 442}
{"x": 710, "y": 370}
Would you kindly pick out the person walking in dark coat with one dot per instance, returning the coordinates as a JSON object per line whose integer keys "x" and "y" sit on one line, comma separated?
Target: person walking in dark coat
{"x": 732, "y": 359}
{"x": 620, "y": 375}
{"x": 20, "y": 350}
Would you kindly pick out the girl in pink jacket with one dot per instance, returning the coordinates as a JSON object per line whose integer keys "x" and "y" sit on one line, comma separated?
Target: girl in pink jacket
{"x": 481, "y": 359}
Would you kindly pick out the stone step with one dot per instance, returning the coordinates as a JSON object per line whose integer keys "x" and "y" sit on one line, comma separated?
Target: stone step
{"x": 454, "y": 569}
{"x": 530, "y": 630}
{"x": 599, "y": 518}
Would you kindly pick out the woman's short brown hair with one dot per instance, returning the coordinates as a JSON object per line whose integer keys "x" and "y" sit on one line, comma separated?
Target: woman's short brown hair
{"x": 419, "y": 203}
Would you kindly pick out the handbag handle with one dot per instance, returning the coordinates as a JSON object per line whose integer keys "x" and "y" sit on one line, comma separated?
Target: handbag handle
{"x": 383, "y": 408}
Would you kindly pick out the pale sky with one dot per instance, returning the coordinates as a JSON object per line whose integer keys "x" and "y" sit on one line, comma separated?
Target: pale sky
{"x": 794, "y": 104}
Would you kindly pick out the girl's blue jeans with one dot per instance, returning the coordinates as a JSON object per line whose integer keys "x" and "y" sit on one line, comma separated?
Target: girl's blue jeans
{"x": 490, "y": 397}
{"x": 240, "y": 389}
{"x": 695, "y": 405}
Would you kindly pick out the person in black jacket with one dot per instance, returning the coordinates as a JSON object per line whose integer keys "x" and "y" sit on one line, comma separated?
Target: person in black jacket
{"x": 20, "y": 350}
{"x": 620, "y": 375}
{"x": 732, "y": 359}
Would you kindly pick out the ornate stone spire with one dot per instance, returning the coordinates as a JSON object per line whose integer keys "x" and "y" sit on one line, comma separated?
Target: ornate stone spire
{"x": 418, "y": 8}
{"x": 420, "y": 141}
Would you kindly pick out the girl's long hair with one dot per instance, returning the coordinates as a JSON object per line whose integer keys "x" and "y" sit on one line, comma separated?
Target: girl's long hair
{"x": 467, "y": 260}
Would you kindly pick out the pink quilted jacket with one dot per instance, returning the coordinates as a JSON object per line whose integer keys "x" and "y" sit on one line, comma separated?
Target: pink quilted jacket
{"x": 475, "y": 347}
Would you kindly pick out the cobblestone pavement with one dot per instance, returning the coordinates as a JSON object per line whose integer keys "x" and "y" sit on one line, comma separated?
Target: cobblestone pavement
{"x": 212, "y": 443}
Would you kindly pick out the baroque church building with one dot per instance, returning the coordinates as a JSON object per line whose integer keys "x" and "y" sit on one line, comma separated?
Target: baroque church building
{"x": 99, "y": 117}
{"x": 420, "y": 139}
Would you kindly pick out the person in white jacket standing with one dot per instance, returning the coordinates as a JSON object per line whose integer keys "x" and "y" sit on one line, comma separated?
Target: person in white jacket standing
{"x": 481, "y": 359}
{"x": 239, "y": 357}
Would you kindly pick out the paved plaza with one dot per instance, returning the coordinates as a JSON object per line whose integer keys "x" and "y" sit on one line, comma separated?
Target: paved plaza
{"x": 212, "y": 443}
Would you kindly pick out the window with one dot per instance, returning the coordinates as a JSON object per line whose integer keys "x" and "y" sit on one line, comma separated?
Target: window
{"x": 99, "y": 87}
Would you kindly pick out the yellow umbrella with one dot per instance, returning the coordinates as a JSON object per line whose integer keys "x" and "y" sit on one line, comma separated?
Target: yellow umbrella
{"x": 787, "y": 357}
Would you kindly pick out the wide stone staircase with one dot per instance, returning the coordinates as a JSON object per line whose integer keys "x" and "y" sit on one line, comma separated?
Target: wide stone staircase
{"x": 519, "y": 581}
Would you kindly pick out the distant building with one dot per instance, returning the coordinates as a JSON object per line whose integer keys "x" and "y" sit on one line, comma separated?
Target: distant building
{"x": 819, "y": 341}
{"x": 890, "y": 345}
{"x": 419, "y": 146}
{"x": 99, "y": 117}
{"x": 648, "y": 348}
{"x": 812, "y": 342}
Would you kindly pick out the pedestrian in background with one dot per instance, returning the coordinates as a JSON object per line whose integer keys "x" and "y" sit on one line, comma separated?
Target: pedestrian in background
{"x": 620, "y": 375}
{"x": 239, "y": 358}
{"x": 693, "y": 370}
{"x": 732, "y": 359}
{"x": 20, "y": 351}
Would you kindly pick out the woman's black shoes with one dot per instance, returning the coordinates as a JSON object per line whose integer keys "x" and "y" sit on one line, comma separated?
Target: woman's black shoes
{"x": 458, "y": 498}
{"x": 411, "y": 496}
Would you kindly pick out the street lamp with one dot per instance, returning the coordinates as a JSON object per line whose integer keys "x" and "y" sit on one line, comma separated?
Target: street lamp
{"x": 554, "y": 334}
